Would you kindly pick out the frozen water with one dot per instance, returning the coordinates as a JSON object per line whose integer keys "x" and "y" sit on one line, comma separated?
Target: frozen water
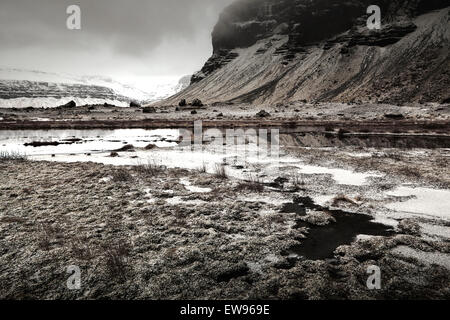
{"x": 341, "y": 176}
{"x": 423, "y": 201}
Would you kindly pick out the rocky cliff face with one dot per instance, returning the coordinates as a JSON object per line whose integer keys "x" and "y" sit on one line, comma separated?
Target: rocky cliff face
{"x": 321, "y": 50}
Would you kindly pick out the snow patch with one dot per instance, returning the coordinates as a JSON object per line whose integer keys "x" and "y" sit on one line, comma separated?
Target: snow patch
{"x": 341, "y": 176}
{"x": 187, "y": 184}
{"x": 428, "y": 258}
{"x": 424, "y": 201}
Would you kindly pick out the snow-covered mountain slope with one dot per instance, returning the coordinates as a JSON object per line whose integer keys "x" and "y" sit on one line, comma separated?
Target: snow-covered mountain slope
{"x": 322, "y": 50}
{"x": 25, "y": 88}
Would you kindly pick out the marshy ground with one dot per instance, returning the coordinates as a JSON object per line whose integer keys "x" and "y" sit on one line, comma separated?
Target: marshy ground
{"x": 338, "y": 203}
{"x": 147, "y": 232}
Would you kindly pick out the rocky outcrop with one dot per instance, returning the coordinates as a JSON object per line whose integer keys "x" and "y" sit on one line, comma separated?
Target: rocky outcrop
{"x": 287, "y": 50}
{"x": 218, "y": 60}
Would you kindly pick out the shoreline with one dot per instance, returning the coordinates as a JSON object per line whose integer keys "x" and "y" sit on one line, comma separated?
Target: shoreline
{"x": 439, "y": 127}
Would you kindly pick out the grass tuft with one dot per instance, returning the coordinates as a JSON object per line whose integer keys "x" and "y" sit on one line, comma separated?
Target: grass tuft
{"x": 220, "y": 171}
{"x": 116, "y": 258}
{"x": 121, "y": 175}
{"x": 254, "y": 184}
{"x": 148, "y": 169}
{"x": 202, "y": 168}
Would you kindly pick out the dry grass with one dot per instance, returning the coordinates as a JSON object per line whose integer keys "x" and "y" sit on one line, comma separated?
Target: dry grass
{"x": 342, "y": 198}
{"x": 13, "y": 220}
{"x": 47, "y": 234}
{"x": 81, "y": 249}
{"x": 116, "y": 259}
{"x": 220, "y": 171}
{"x": 180, "y": 218}
{"x": 277, "y": 219}
{"x": 254, "y": 184}
{"x": 149, "y": 169}
{"x": 410, "y": 171}
{"x": 297, "y": 182}
{"x": 202, "y": 168}
{"x": 121, "y": 175}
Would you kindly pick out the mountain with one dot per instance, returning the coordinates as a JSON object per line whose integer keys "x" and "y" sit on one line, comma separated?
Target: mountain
{"x": 273, "y": 51}
{"x": 24, "y": 88}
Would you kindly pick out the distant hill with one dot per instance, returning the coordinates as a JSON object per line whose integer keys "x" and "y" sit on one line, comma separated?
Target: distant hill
{"x": 25, "y": 88}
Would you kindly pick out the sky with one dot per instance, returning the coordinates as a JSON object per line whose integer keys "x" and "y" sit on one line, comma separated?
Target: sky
{"x": 118, "y": 38}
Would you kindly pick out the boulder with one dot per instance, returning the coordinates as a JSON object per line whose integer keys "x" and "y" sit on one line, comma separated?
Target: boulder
{"x": 182, "y": 103}
{"x": 149, "y": 110}
{"x": 197, "y": 103}
{"x": 135, "y": 104}
{"x": 263, "y": 114}
{"x": 70, "y": 104}
{"x": 127, "y": 147}
{"x": 394, "y": 116}
{"x": 445, "y": 100}
{"x": 150, "y": 146}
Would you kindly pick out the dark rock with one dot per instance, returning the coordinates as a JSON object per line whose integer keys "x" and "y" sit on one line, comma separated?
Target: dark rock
{"x": 284, "y": 264}
{"x": 197, "y": 103}
{"x": 135, "y": 104}
{"x": 70, "y": 104}
{"x": 446, "y": 100}
{"x": 394, "y": 116}
{"x": 149, "y": 110}
{"x": 281, "y": 181}
{"x": 230, "y": 272}
{"x": 41, "y": 144}
{"x": 408, "y": 226}
{"x": 113, "y": 154}
{"x": 344, "y": 50}
{"x": 263, "y": 114}
{"x": 217, "y": 61}
{"x": 127, "y": 147}
{"x": 182, "y": 103}
{"x": 150, "y": 146}
{"x": 194, "y": 112}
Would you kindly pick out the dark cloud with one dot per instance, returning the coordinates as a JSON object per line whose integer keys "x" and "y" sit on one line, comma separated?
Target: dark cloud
{"x": 164, "y": 37}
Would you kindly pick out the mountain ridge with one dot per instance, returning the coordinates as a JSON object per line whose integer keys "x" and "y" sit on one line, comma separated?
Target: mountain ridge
{"x": 23, "y": 88}
{"x": 273, "y": 60}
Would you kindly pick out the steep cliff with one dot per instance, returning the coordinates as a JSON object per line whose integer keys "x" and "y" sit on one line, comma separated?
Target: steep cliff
{"x": 321, "y": 50}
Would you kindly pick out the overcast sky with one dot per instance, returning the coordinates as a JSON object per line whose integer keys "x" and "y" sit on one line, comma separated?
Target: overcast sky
{"x": 117, "y": 37}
